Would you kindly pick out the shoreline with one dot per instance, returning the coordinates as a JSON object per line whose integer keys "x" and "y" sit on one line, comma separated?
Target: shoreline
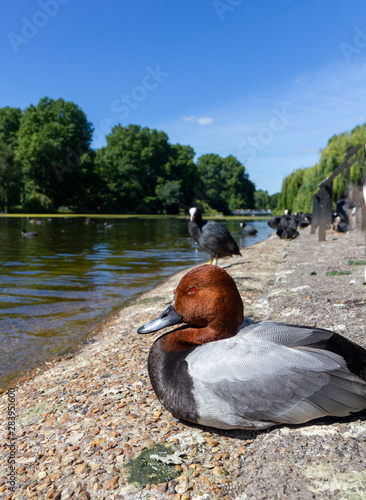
{"x": 82, "y": 418}
{"x": 91, "y": 332}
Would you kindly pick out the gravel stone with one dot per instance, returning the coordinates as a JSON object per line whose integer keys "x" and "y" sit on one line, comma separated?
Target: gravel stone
{"x": 83, "y": 417}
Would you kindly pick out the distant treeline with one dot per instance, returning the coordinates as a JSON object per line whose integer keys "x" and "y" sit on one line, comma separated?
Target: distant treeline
{"x": 47, "y": 162}
{"x": 300, "y": 185}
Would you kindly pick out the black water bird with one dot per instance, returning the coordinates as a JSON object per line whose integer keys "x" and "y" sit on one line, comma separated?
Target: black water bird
{"x": 28, "y": 235}
{"x": 274, "y": 222}
{"x": 286, "y": 225}
{"x": 211, "y": 236}
{"x": 305, "y": 220}
{"x": 248, "y": 228}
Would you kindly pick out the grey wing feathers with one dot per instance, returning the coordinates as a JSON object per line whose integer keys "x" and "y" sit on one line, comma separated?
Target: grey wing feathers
{"x": 287, "y": 335}
{"x": 256, "y": 383}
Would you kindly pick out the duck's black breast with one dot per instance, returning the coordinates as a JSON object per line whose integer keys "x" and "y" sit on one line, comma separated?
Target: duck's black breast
{"x": 168, "y": 372}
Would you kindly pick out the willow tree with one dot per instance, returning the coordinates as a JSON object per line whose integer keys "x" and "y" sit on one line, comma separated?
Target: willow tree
{"x": 298, "y": 188}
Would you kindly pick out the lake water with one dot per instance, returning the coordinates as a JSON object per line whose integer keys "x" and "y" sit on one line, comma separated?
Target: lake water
{"x": 56, "y": 287}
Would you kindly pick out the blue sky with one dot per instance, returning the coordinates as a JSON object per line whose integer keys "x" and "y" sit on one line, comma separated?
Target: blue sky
{"x": 268, "y": 82}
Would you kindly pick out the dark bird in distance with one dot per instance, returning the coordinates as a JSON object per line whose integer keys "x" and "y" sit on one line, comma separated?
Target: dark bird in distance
{"x": 248, "y": 228}
{"x": 28, "y": 235}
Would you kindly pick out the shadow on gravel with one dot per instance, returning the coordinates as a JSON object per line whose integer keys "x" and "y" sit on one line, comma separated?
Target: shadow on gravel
{"x": 248, "y": 434}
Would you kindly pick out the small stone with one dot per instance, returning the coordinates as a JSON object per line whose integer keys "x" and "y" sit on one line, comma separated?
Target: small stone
{"x": 181, "y": 487}
{"x": 95, "y": 466}
{"x": 156, "y": 416}
{"x": 42, "y": 475}
{"x": 44, "y": 485}
{"x": 218, "y": 471}
{"x": 68, "y": 459}
{"x": 128, "y": 490}
{"x": 160, "y": 488}
{"x": 211, "y": 441}
{"x": 84, "y": 495}
{"x": 66, "y": 493}
{"x": 64, "y": 418}
{"x": 50, "y": 421}
{"x": 80, "y": 469}
{"x": 112, "y": 484}
{"x": 75, "y": 427}
{"x": 114, "y": 434}
{"x": 50, "y": 492}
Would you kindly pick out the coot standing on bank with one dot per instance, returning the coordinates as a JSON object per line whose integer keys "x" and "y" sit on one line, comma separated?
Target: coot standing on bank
{"x": 211, "y": 236}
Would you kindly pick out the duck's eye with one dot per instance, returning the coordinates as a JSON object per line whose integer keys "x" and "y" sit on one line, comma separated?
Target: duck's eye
{"x": 192, "y": 289}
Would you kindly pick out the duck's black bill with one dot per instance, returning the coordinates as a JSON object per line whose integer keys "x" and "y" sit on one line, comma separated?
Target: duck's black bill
{"x": 168, "y": 318}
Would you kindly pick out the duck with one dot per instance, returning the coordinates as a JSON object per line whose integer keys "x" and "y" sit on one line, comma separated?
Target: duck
{"x": 28, "y": 235}
{"x": 211, "y": 236}
{"x": 339, "y": 225}
{"x": 286, "y": 225}
{"x": 248, "y": 228}
{"x": 108, "y": 226}
{"x": 218, "y": 370}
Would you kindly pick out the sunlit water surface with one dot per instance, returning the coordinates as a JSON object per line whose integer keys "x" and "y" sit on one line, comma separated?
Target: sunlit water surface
{"x": 56, "y": 287}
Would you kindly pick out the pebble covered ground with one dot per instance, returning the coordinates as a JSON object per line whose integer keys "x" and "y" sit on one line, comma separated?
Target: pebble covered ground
{"x": 88, "y": 425}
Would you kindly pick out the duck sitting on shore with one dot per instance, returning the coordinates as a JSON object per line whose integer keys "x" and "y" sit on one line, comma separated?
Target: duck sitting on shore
{"x": 214, "y": 371}
{"x": 211, "y": 236}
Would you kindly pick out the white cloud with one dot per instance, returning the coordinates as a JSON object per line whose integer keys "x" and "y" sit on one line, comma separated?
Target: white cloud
{"x": 306, "y": 151}
{"x": 204, "y": 120}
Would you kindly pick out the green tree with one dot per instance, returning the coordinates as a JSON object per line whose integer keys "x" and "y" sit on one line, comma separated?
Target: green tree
{"x": 224, "y": 184}
{"x": 273, "y": 201}
{"x": 170, "y": 196}
{"x": 10, "y": 173}
{"x": 240, "y": 189}
{"x": 262, "y": 200}
{"x": 178, "y": 179}
{"x": 130, "y": 165}
{"x": 10, "y": 178}
{"x": 9, "y": 125}
{"x": 54, "y": 151}
{"x": 265, "y": 201}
